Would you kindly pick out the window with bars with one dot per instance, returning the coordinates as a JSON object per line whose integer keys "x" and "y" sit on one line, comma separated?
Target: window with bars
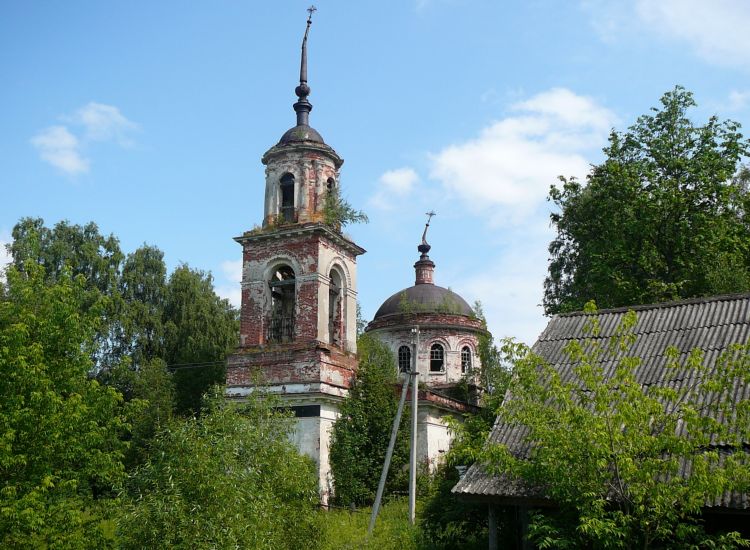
{"x": 404, "y": 359}
{"x": 437, "y": 358}
{"x": 281, "y": 323}
{"x": 465, "y": 359}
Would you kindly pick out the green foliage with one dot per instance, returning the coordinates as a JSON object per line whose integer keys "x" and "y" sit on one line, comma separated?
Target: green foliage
{"x": 361, "y": 321}
{"x": 229, "y": 478}
{"x": 661, "y": 218}
{"x": 338, "y": 213}
{"x": 608, "y": 450}
{"x": 60, "y": 432}
{"x": 345, "y": 529}
{"x": 360, "y": 436}
{"x": 446, "y": 522}
{"x": 143, "y": 288}
{"x": 496, "y": 365}
{"x": 153, "y": 386}
{"x": 76, "y": 250}
{"x": 143, "y": 316}
{"x": 199, "y": 328}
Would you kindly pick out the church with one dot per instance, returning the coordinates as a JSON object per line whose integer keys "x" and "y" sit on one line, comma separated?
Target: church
{"x": 298, "y": 325}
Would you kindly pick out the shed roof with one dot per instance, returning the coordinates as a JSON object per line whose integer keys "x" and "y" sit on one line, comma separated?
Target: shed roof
{"x": 710, "y": 324}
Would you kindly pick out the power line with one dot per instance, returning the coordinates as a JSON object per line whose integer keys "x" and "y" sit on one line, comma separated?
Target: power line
{"x": 206, "y": 364}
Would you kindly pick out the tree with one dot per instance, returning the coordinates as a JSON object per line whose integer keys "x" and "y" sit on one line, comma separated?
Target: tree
{"x": 361, "y": 434}
{"x": 229, "y": 478}
{"x": 199, "y": 329}
{"x": 660, "y": 219}
{"x": 153, "y": 385}
{"x": 145, "y": 317}
{"x": 143, "y": 288}
{"x": 608, "y": 450}
{"x": 61, "y": 432}
{"x": 79, "y": 250}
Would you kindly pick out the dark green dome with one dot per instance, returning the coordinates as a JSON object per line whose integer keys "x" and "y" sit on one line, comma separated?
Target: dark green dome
{"x": 425, "y": 298}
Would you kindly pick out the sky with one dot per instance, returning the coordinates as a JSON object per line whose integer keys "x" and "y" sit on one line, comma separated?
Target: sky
{"x": 150, "y": 119}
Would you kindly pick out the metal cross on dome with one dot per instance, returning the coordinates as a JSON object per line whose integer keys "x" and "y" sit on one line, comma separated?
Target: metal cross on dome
{"x": 429, "y": 215}
{"x": 311, "y": 10}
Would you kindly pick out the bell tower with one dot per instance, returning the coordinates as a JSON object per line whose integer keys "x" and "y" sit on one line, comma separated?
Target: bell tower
{"x": 299, "y": 281}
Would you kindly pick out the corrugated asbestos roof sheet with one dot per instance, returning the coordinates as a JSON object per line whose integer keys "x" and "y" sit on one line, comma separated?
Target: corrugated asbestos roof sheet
{"x": 710, "y": 324}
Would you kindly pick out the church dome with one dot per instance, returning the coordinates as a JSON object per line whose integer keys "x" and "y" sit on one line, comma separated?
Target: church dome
{"x": 425, "y": 298}
{"x": 301, "y": 132}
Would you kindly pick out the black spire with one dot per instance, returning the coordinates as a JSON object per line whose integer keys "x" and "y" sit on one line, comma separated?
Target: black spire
{"x": 303, "y": 107}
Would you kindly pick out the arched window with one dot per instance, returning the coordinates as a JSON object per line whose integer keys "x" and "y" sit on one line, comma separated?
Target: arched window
{"x": 335, "y": 318}
{"x": 465, "y": 359}
{"x": 437, "y": 358}
{"x": 404, "y": 359}
{"x": 330, "y": 183}
{"x": 287, "y": 197}
{"x": 281, "y": 323}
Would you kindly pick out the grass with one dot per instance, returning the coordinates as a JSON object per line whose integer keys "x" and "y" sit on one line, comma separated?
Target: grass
{"x": 345, "y": 529}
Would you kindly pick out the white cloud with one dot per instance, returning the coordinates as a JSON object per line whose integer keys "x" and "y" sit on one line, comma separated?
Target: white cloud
{"x": 738, "y": 100}
{"x": 509, "y": 168}
{"x": 62, "y": 148}
{"x": 610, "y": 19}
{"x": 58, "y": 147}
{"x": 394, "y": 184}
{"x": 232, "y": 276}
{"x": 104, "y": 123}
{"x": 510, "y": 282}
{"x": 718, "y": 30}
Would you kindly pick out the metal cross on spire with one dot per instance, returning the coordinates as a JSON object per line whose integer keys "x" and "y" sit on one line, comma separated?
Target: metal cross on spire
{"x": 429, "y": 215}
{"x": 303, "y": 107}
{"x": 303, "y": 65}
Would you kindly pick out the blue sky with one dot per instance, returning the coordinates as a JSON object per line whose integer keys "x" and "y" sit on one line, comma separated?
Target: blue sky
{"x": 150, "y": 119}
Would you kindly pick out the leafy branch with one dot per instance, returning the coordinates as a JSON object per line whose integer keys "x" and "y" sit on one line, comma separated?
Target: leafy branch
{"x": 338, "y": 213}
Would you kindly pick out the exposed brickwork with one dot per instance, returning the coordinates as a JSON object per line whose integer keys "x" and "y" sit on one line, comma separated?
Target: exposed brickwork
{"x": 453, "y": 332}
{"x": 424, "y": 271}
{"x": 313, "y": 166}
{"x": 297, "y": 363}
{"x": 427, "y": 319}
{"x": 300, "y": 247}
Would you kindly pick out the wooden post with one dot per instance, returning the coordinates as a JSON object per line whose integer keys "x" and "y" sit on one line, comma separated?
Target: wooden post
{"x": 492, "y": 522}
{"x": 523, "y": 513}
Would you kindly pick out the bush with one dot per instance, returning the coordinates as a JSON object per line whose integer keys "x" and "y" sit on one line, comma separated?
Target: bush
{"x": 227, "y": 479}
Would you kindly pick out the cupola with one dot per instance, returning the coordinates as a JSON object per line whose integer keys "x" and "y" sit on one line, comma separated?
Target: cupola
{"x": 300, "y": 169}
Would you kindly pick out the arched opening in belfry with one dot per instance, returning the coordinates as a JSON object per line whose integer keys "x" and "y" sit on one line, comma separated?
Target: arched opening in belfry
{"x": 335, "y": 313}
{"x": 287, "y": 197}
{"x": 281, "y": 323}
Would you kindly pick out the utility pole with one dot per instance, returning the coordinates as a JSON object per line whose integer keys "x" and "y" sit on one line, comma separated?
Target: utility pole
{"x": 413, "y": 451}
{"x": 388, "y": 455}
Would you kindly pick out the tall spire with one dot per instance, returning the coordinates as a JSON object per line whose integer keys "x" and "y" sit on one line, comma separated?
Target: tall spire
{"x": 303, "y": 107}
{"x": 425, "y": 268}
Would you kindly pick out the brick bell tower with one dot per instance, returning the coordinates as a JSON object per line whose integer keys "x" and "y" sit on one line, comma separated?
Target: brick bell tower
{"x": 299, "y": 281}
